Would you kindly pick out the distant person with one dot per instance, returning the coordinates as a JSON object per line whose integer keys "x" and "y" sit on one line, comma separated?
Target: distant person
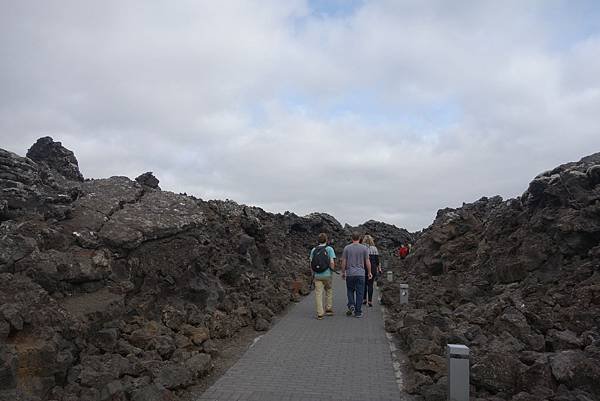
{"x": 330, "y": 243}
{"x": 355, "y": 260}
{"x": 402, "y": 251}
{"x": 322, "y": 261}
{"x": 375, "y": 266}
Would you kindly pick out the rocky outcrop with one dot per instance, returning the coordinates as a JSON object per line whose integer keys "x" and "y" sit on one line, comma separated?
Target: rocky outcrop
{"x": 113, "y": 289}
{"x": 387, "y": 236}
{"x": 55, "y": 157}
{"x": 148, "y": 179}
{"x": 518, "y": 281}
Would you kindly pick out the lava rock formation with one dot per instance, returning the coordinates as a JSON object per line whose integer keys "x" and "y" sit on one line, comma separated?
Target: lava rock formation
{"x": 111, "y": 289}
{"x": 518, "y": 281}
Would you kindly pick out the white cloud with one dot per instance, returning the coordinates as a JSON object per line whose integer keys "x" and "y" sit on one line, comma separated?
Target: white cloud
{"x": 397, "y": 108}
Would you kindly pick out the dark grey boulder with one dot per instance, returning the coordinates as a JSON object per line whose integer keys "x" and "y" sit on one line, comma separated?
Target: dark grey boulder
{"x": 56, "y": 157}
{"x": 148, "y": 179}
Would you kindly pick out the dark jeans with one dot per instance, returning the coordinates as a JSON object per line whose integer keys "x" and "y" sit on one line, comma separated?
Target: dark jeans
{"x": 355, "y": 288}
{"x": 368, "y": 288}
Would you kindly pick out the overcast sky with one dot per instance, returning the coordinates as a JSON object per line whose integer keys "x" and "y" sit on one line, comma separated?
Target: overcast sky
{"x": 385, "y": 110}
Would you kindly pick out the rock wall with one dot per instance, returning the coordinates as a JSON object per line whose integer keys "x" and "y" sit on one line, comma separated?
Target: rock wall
{"x": 518, "y": 281}
{"x": 111, "y": 289}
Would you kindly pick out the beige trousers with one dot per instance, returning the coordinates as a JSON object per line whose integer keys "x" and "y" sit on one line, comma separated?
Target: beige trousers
{"x": 320, "y": 285}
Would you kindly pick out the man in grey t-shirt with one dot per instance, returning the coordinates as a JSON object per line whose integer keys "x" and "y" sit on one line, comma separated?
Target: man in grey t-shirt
{"x": 355, "y": 259}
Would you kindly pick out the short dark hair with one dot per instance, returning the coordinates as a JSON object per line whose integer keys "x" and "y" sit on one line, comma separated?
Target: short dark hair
{"x": 322, "y": 238}
{"x": 355, "y": 235}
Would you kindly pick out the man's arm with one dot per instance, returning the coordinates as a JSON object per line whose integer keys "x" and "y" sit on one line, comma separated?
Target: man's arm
{"x": 331, "y": 258}
{"x": 368, "y": 264}
{"x": 344, "y": 264}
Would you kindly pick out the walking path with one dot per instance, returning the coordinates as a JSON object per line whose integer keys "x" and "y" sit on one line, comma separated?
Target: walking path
{"x": 301, "y": 358}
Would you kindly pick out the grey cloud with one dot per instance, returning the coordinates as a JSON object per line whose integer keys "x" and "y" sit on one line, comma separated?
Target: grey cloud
{"x": 199, "y": 92}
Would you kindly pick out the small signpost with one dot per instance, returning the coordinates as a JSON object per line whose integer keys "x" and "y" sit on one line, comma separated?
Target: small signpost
{"x": 403, "y": 293}
{"x": 458, "y": 372}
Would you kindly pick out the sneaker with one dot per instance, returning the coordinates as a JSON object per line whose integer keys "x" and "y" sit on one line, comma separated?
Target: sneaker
{"x": 364, "y": 301}
{"x": 329, "y": 312}
{"x": 358, "y": 315}
{"x": 320, "y": 317}
{"x": 370, "y": 304}
{"x": 350, "y": 311}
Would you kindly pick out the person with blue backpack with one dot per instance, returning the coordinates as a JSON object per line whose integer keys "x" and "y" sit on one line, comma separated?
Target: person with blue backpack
{"x": 322, "y": 263}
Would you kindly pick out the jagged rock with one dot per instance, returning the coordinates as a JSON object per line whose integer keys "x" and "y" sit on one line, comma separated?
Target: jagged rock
{"x": 106, "y": 339}
{"x": 518, "y": 278}
{"x": 387, "y": 236}
{"x": 575, "y": 368}
{"x": 164, "y": 345}
{"x": 4, "y": 329}
{"x": 99, "y": 370}
{"x": 437, "y": 391}
{"x": 198, "y": 335}
{"x": 152, "y": 392}
{"x": 211, "y": 348}
{"x": 156, "y": 215}
{"x": 594, "y": 174}
{"x": 148, "y": 179}
{"x": 566, "y": 339}
{"x": 56, "y": 157}
{"x": 199, "y": 364}
{"x": 3, "y": 209}
{"x": 261, "y": 324}
{"x": 497, "y": 372}
{"x": 77, "y": 266}
{"x": 173, "y": 317}
{"x": 99, "y": 199}
{"x": 415, "y": 381}
{"x": 142, "y": 338}
{"x": 8, "y": 368}
{"x": 432, "y": 363}
{"x": 174, "y": 375}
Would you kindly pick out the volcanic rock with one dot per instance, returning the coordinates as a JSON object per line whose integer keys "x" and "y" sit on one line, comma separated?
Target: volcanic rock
{"x": 148, "y": 179}
{"x": 113, "y": 289}
{"x": 517, "y": 281}
{"x": 56, "y": 157}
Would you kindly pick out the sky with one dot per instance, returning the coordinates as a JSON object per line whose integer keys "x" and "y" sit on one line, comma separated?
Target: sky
{"x": 386, "y": 110}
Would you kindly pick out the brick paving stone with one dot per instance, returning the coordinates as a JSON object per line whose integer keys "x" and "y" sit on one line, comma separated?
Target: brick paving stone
{"x": 301, "y": 358}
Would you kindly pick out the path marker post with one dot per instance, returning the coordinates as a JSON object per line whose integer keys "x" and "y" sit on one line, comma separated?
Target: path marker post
{"x": 458, "y": 372}
{"x": 403, "y": 293}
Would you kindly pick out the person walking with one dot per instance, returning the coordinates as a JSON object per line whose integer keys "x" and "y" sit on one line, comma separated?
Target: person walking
{"x": 355, "y": 260}
{"x": 402, "y": 251}
{"x": 375, "y": 267}
{"x": 322, "y": 262}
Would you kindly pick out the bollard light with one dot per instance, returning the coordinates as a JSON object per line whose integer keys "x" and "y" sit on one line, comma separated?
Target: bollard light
{"x": 458, "y": 372}
{"x": 403, "y": 293}
{"x": 390, "y": 276}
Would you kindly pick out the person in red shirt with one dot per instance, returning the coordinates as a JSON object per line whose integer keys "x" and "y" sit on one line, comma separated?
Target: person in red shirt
{"x": 402, "y": 251}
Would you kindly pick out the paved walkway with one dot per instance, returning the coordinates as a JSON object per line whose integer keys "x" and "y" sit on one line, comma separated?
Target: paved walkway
{"x": 339, "y": 358}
